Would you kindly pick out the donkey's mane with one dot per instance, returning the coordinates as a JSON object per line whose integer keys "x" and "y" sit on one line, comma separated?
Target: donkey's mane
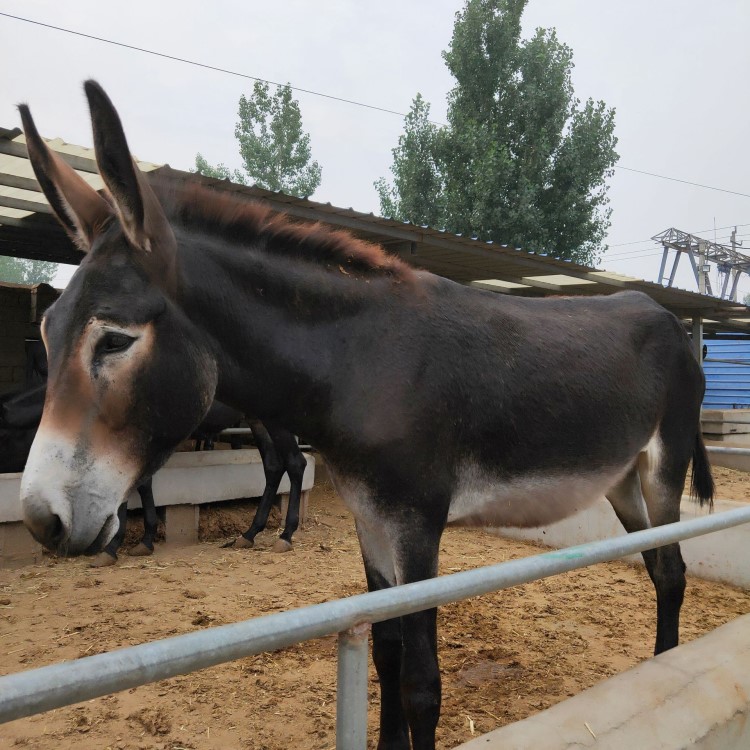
{"x": 252, "y": 224}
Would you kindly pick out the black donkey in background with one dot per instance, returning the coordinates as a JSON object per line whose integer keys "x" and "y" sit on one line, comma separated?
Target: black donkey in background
{"x": 21, "y": 412}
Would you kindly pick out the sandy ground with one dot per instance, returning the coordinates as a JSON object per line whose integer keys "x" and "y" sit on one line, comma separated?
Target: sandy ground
{"x": 503, "y": 656}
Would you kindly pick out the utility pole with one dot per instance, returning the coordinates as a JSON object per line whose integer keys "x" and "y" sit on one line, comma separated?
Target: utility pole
{"x": 702, "y": 273}
{"x": 735, "y": 244}
{"x": 733, "y": 240}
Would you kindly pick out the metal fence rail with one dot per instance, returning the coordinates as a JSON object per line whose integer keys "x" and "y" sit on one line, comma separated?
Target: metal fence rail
{"x": 727, "y": 450}
{"x": 37, "y": 690}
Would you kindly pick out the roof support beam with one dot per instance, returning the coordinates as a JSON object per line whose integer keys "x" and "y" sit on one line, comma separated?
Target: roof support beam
{"x": 524, "y": 282}
{"x": 81, "y": 163}
{"x": 23, "y": 183}
{"x": 604, "y": 278}
{"x": 22, "y": 205}
{"x": 497, "y": 289}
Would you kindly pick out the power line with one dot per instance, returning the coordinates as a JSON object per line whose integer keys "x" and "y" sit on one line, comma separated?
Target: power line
{"x": 685, "y": 182}
{"x": 623, "y": 260}
{"x": 642, "y": 253}
{"x": 637, "y": 253}
{"x": 353, "y": 102}
{"x": 698, "y": 231}
{"x": 201, "y": 65}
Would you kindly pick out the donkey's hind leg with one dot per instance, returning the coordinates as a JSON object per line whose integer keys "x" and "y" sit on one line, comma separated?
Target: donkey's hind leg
{"x": 662, "y": 479}
{"x": 640, "y": 505}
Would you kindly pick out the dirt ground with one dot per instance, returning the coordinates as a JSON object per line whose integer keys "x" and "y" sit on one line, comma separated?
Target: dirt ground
{"x": 503, "y": 656}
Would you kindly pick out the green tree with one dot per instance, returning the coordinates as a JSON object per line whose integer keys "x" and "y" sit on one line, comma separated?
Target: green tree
{"x": 417, "y": 192}
{"x": 275, "y": 151}
{"x": 219, "y": 172}
{"x": 521, "y": 161}
{"x": 22, "y": 271}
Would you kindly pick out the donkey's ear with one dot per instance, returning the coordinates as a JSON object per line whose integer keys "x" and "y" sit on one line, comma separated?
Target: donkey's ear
{"x": 138, "y": 208}
{"x": 78, "y": 207}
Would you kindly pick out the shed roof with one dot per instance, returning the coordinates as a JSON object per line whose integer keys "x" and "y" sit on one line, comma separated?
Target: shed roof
{"x": 28, "y": 230}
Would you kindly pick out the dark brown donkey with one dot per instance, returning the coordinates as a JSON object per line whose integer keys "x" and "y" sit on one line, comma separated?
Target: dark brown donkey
{"x": 432, "y": 403}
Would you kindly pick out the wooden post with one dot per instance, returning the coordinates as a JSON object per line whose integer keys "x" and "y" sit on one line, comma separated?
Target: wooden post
{"x": 303, "y": 504}
{"x": 17, "y": 546}
{"x": 181, "y": 524}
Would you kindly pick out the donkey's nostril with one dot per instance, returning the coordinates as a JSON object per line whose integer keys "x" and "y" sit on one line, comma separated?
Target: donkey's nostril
{"x": 47, "y": 528}
{"x": 56, "y": 531}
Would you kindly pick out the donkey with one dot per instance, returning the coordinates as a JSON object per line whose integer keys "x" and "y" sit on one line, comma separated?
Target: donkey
{"x": 21, "y": 413}
{"x": 432, "y": 403}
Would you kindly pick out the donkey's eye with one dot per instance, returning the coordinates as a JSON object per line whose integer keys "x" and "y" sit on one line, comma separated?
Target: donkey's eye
{"x": 114, "y": 342}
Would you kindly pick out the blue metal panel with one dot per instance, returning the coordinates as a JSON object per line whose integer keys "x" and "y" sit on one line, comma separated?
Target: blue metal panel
{"x": 727, "y": 383}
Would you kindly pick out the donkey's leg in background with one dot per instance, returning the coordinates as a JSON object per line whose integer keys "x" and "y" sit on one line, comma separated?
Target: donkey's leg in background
{"x": 273, "y": 467}
{"x": 108, "y": 556}
{"x": 295, "y": 465}
{"x": 150, "y": 521}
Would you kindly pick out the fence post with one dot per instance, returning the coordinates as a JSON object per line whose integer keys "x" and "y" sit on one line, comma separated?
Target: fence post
{"x": 351, "y": 689}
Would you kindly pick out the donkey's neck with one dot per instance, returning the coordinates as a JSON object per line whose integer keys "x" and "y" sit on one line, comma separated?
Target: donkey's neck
{"x": 278, "y": 326}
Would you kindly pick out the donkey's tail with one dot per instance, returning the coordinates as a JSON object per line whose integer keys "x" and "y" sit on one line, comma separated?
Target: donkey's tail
{"x": 701, "y": 481}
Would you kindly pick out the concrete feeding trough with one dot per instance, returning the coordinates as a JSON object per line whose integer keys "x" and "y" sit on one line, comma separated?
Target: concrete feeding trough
{"x": 694, "y": 696}
{"x": 726, "y": 426}
{"x": 187, "y": 481}
{"x": 716, "y": 557}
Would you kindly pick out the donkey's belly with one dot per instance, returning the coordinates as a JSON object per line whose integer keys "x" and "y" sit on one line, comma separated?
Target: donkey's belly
{"x": 535, "y": 499}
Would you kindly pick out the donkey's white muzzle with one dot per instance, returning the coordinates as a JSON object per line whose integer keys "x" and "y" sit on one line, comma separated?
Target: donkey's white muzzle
{"x": 70, "y": 498}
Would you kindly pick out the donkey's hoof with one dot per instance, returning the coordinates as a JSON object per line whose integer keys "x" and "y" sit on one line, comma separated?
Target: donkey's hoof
{"x": 140, "y": 550}
{"x": 102, "y": 560}
{"x": 243, "y": 543}
{"x": 281, "y": 545}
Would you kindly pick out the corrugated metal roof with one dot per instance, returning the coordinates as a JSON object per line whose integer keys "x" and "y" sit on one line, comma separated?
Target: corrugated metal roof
{"x": 25, "y": 216}
{"x": 27, "y": 230}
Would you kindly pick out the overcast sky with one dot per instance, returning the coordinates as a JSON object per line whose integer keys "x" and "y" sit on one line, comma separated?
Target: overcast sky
{"x": 675, "y": 70}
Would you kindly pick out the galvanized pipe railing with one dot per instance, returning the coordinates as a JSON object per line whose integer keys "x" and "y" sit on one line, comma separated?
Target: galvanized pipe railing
{"x": 37, "y": 690}
{"x": 727, "y": 450}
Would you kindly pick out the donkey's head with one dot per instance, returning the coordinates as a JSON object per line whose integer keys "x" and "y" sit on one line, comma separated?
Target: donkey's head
{"x": 129, "y": 375}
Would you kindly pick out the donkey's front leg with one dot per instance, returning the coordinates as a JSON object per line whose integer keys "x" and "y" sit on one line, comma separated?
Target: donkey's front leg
{"x": 108, "y": 556}
{"x": 405, "y": 649}
{"x": 295, "y": 464}
{"x": 150, "y": 521}
{"x": 420, "y": 674}
{"x": 273, "y": 468}
{"x": 386, "y": 641}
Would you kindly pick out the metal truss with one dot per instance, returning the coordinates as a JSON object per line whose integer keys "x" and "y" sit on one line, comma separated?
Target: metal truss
{"x": 729, "y": 263}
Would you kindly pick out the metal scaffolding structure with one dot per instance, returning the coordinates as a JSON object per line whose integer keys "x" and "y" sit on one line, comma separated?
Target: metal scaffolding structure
{"x": 729, "y": 262}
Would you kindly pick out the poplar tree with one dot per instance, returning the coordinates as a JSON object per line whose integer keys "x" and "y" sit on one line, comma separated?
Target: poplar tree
{"x": 521, "y": 159}
{"x": 275, "y": 150}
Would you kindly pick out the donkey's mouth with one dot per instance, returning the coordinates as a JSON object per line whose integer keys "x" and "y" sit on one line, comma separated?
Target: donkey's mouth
{"x": 101, "y": 540}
